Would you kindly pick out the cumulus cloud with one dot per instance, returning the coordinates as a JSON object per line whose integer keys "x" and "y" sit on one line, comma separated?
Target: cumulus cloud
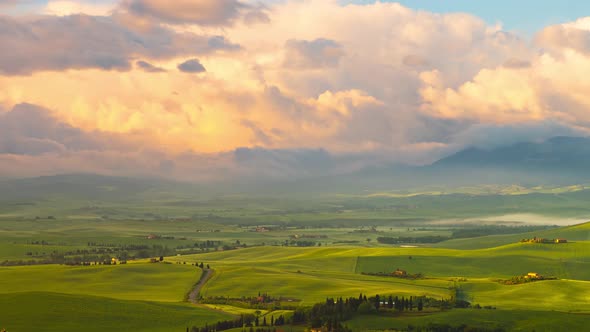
{"x": 260, "y": 137}
{"x": 547, "y": 87}
{"x": 90, "y": 42}
{"x": 312, "y": 54}
{"x": 574, "y": 35}
{"x": 148, "y": 67}
{"x": 31, "y": 130}
{"x": 307, "y": 84}
{"x": 67, "y": 7}
{"x": 516, "y": 63}
{"x": 191, "y": 66}
{"x": 414, "y": 60}
{"x": 200, "y": 12}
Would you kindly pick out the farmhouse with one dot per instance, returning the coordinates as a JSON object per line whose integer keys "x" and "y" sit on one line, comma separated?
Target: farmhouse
{"x": 533, "y": 275}
{"x": 542, "y": 240}
{"x": 400, "y": 273}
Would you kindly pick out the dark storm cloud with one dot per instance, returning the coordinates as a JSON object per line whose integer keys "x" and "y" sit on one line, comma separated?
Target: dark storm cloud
{"x": 191, "y": 66}
{"x": 81, "y": 41}
{"x": 148, "y": 67}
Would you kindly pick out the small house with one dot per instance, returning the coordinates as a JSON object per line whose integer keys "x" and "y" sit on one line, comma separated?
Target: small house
{"x": 533, "y": 275}
{"x": 400, "y": 273}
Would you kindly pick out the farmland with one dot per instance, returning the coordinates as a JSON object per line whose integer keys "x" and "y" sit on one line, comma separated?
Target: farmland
{"x": 334, "y": 247}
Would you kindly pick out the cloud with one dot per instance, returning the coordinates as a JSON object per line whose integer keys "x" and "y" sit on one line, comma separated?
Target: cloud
{"x": 257, "y": 15}
{"x": 491, "y": 136}
{"x": 574, "y": 35}
{"x": 66, "y": 7}
{"x": 8, "y": 3}
{"x": 90, "y": 42}
{"x": 414, "y": 60}
{"x": 312, "y": 54}
{"x": 260, "y": 137}
{"x": 191, "y": 66}
{"x": 307, "y": 89}
{"x": 221, "y": 43}
{"x": 148, "y": 67}
{"x": 31, "y": 130}
{"x": 516, "y": 63}
{"x": 200, "y": 12}
{"x": 548, "y": 87}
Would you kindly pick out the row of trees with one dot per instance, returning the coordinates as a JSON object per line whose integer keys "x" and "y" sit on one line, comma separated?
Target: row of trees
{"x": 405, "y": 239}
{"x": 332, "y": 314}
{"x": 262, "y": 301}
{"x": 245, "y": 320}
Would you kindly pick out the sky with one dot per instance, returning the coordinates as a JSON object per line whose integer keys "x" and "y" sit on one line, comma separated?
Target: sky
{"x": 525, "y": 16}
{"x": 214, "y": 89}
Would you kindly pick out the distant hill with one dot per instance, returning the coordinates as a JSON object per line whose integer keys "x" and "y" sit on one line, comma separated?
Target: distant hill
{"x": 78, "y": 186}
{"x": 580, "y": 232}
{"x": 558, "y": 161}
{"x": 571, "y": 154}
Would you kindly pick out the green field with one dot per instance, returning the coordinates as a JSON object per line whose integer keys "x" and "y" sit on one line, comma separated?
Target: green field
{"x": 341, "y": 231}
{"x": 311, "y": 274}
{"x": 511, "y": 320}
{"x": 41, "y": 311}
{"x": 307, "y": 276}
{"x": 564, "y": 261}
{"x": 140, "y": 296}
{"x": 140, "y": 281}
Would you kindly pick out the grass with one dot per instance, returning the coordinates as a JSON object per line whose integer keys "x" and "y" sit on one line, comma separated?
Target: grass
{"x": 569, "y": 260}
{"x": 42, "y": 311}
{"x": 511, "y": 320}
{"x": 147, "y": 297}
{"x": 139, "y": 281}
{"x": 580, "y": 232}
{"x": 138, "y": 296}
{"x": 558, "y": 295}
{"x": 312, "y": 274}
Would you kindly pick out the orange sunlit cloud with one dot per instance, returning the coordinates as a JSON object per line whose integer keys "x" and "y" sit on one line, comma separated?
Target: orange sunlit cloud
{"x": 205, "y": 78}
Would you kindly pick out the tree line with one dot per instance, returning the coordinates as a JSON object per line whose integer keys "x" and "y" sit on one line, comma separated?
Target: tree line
{"x": 245, "y": 320}
{"x": 407, "y": 239}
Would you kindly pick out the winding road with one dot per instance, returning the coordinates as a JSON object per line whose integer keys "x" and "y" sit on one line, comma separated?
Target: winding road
{"x": 194, "y": 294}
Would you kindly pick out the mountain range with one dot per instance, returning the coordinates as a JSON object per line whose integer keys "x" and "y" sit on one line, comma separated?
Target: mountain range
{"x": 557, "y": 161}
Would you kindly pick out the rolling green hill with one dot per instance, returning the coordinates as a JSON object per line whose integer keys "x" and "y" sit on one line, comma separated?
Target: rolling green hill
{"x": 311, "y": 274}
{"x": 580, "y": 232}
{"x": 131, "y": 297}
{"x": 140, "y": 281}
{"x": 53, "y": 312}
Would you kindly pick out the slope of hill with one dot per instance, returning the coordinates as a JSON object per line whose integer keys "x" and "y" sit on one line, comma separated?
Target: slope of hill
{"x": 580, "y": 232}
{"x": 570, "y": 154}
